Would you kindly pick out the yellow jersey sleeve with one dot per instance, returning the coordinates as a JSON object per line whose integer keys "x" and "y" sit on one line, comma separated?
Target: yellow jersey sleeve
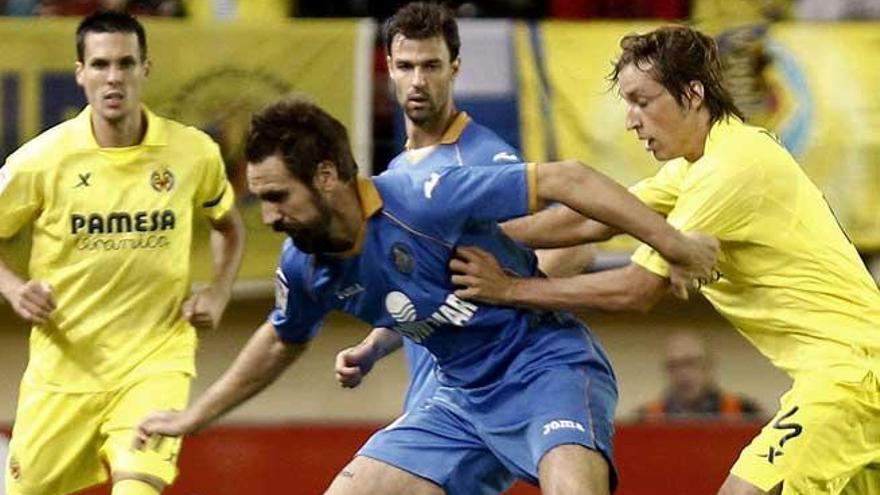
{"x": 716, "y": 197}
{"x": 660, "y": 192}
{"x": 214, "y": 193}
{"x": 20, "y": 195}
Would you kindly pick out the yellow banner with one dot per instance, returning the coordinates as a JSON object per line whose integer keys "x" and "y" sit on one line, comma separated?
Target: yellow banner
{"x": 814, "y": 85}
{"x": 210, "y": 76}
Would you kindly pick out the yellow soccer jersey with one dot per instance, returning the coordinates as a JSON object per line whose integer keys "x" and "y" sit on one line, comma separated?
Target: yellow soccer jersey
{"x": 112, "y": 229}
{"x": 788, "y": 278}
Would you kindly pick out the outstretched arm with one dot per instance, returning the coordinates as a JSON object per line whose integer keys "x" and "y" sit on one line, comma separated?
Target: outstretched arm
{"x": 481, "y": 278}
{"x": 260, "y": 363}
{"x": 594, "y": 195}
{"x": 557, "y": 227}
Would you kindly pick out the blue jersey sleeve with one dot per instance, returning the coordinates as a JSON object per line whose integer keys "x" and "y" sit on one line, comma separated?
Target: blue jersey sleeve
{"x": 482, "y": 194}
{"x": 297, "y": 315}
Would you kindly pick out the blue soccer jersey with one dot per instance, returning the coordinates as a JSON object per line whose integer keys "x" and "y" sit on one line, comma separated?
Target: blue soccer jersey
{"x": 415, "y": 221}
{"x": 464, "y": 142}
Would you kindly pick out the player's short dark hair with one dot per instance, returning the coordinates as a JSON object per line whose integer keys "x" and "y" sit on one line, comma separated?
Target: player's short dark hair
{"x": 423, "y": 20}
{"x": 678, "y": 55}
{"x": 110, "y": 21}
{"x": 304, "y": 135}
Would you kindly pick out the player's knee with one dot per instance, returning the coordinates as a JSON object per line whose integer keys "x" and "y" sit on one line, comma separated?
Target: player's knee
{"x": 136, "y": 484}
{"x": 574, "y": 469}
{"x": 735, "y": 486}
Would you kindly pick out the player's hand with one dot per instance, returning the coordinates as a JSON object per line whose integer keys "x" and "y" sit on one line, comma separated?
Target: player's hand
{"x": 479, "y": 276}
{"x": 205, "y": 308}
{"x": 163, "y": 424}
{"x": 699, "y": 270}
{"x": 353, "y": 364}
{"x": 34, "y": 301}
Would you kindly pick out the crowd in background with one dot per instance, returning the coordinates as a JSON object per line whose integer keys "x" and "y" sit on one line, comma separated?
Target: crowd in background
{"x": 533, "y": 9}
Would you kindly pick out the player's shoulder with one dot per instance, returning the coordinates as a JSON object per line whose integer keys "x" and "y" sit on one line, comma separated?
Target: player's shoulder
{"x": 741, "y": 149}
{"x": 741, "y": 141}
{"x": 185, "y": 134}
{"x": 412, "y": 196}
{"x": 46, "y": 149}
{"x": 484, "y": 147}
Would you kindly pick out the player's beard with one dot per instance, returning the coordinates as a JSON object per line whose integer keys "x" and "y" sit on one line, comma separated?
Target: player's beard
{"x": 427, "y": 114}
{"x": 314, "y": 237}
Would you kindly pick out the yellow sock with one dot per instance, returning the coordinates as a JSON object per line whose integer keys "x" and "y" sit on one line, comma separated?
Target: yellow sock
{"x": 133, "y": 487}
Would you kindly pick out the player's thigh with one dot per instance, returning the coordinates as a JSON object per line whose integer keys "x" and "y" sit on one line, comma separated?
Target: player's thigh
{"x": 156, "y": 462}
{"x": 733, "y": 485}
{"x": 865, "y": 482}
{"x": 573, "y": 469}
{"x": 55, "y": 443}
{"x": 366, "y": 476}
{"x": 826, "y": 431}
{"x": 434, "y": 442}
{"x": 522, "y": 426}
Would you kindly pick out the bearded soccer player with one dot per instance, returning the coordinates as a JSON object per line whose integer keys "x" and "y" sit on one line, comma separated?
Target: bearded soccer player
{"x": 111, "y": 195}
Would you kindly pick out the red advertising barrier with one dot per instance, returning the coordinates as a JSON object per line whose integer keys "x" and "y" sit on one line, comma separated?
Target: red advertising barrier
{"x": 656, "y": 459}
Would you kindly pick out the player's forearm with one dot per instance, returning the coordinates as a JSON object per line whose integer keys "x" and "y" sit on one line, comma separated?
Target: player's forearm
{"x": 611, "y": 290}
{"x": 565, "y": 262}
{"x": 227, "y": 248}
{"x": 9, "y": 281}
{"x": 383, "y": 341}
{"x": 556, "y": 227}
{"x": 594, "y": 195}
{"x": 260, "y": 363}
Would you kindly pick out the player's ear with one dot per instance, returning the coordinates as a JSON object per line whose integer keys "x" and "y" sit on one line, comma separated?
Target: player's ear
{"x": 456, "y": 65}
{"x": 696, "y": 93}
{"x": 78, "y": 71}
{"x": 326, "y": 176}
{"x": 148, "y": 66}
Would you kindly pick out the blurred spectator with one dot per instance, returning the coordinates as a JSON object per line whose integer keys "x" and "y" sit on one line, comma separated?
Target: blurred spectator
{"x": 84, "y": 7}
{"x": 824, "y": 10}
{"x": 20, "y": 7}
{"x": 240, "y": 10}
{"x": 382, "y": 9}
{"x": 619, "y": 9}
{"x": 691, "y": 389}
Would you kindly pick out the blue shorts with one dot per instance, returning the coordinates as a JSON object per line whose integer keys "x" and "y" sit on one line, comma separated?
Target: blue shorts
{"x": 466, "y": 467}
{"x": 452, "y": 436}
{"x": 421, "y": 374}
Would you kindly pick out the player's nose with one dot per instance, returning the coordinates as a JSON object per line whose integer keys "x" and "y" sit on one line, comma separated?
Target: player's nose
{"x": 270, "y": 214}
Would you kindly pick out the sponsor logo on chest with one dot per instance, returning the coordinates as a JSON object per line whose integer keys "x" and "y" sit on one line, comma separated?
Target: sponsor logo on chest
{"x": 453, "y": 311}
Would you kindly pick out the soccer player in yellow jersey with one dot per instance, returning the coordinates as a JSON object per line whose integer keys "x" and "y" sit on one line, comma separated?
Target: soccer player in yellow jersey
{"x": 787, "y": 276}
{"x": 110, "y": 195}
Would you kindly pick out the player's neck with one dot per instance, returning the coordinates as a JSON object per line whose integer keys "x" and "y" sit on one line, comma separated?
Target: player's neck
{"x": 125, "y": 132}
{"x": 350, "y": 213}
{"x": 697, "y": 145}
{"x": 430, "y": 133}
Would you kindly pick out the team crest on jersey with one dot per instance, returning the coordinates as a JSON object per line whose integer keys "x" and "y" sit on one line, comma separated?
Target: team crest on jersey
{"x": 402, "y": 257}
{"x": 162, "y": 179}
